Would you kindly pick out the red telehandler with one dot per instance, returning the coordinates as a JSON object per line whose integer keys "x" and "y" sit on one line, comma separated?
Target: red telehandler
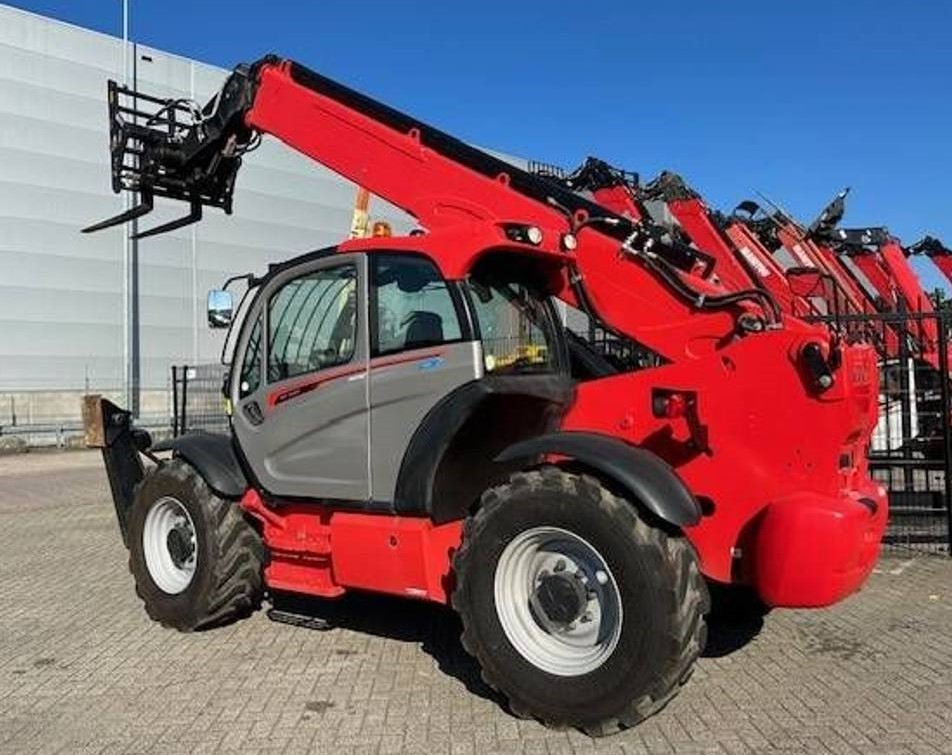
{"x": 936, "y": 251}
{"x": 851, "y": 300}
{"x": 808, "y": 288}
{"x": 669, "y": 202}
{"x": 883, "y": 262}
{"x": 734, "y": 253}
{"x": 409, "y": 417}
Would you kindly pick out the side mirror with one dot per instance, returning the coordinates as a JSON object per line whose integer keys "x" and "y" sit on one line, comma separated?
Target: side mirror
{"x": 220, "y": 309}
{"x": 805, "y": 281}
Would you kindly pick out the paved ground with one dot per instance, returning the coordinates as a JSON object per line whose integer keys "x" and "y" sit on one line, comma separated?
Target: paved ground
{"x": 83, "y": 671}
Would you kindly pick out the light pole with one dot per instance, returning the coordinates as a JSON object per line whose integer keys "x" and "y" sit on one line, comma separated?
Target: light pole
{"x": 130, "y": 259}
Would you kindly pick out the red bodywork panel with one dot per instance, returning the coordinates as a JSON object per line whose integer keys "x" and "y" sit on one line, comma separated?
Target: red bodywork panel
{"x": 761, "y": 454}
{"x": 323, "y": 551}
{"x": 760, "y": 439}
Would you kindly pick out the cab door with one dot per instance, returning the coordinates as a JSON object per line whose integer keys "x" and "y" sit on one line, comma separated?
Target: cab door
{"x": 300, "y": 397}
{"x": 422, "y": 349}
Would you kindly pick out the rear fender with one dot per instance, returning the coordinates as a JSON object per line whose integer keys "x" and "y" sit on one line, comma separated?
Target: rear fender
{"x": 645, "y": 477}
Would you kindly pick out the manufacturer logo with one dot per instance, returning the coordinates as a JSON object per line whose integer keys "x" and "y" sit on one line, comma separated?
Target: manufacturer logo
{"x": 431, "y": 363}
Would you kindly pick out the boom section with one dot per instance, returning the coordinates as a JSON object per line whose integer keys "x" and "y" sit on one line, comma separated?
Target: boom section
{"x": 626, "y": 271}
{"x": 175, "y": 149}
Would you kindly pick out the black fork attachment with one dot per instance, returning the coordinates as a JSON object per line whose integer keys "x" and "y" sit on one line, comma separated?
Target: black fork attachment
{"x": 175, "y": 149}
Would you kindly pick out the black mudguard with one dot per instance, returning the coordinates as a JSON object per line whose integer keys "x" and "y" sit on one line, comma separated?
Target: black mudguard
{"x": 644, "y": 476}
{"x": 213, "y": 457}
{"x": 448, "y": 462}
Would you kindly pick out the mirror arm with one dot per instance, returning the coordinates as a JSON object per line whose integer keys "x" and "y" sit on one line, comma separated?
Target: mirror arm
{"x": 251, "y": 278}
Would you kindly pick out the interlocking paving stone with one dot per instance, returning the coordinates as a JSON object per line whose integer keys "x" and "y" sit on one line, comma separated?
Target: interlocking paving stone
{"x": 83, "y": 670}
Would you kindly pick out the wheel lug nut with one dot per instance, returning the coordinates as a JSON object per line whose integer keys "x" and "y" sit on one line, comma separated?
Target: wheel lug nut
{"x": 586, "y": 618}
{"x": 560, "y": 565}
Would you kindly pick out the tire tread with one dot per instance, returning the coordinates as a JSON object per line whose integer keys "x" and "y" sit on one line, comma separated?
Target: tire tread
{"x": 238, "y": 560}
{"x": 670, "y": 551}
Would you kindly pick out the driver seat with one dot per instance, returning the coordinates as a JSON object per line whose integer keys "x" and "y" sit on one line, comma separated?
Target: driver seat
{"x": 423, "y": 329}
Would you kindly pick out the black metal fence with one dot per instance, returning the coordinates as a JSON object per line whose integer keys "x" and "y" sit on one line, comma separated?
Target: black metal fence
{"x": 198, "y": 403}
{"x": 911, "y": 449}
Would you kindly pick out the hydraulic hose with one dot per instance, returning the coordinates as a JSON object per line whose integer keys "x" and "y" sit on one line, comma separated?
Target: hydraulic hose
{"x": 585, "y": 302}
{"x": 668, "y": 273}
{"x": 664, "y": 270}
{"x": 718, "y": 301}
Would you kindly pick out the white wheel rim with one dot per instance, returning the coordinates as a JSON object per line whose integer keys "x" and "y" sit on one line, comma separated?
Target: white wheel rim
{"x": 169, "y": 545}
{"x": 568, "y": 647}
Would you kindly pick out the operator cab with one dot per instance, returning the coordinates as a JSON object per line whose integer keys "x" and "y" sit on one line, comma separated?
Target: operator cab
{"x": 354, "y": 373}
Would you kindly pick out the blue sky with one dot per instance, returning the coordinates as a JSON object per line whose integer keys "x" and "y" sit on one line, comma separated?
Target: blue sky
{"x": 795, "y": 100}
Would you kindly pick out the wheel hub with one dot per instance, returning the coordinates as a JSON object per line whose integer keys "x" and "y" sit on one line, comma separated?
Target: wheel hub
{"x": 557, "y": 601}
{"x": 181, "y": 544}
{"x": 561, "y": 597}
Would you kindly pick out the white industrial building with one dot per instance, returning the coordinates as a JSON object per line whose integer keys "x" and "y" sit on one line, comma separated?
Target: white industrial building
{"x": 71, "y": 318}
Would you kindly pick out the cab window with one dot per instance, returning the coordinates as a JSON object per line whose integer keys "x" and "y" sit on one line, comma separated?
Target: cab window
{"x": 516, "y": 327}
{"x": 312, "y": 322}
{"x": 250, "y": 378}
{"x": 412, "y": 306}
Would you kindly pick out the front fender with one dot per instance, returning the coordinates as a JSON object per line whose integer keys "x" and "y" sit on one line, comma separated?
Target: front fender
{"x": 644, "y": 476}
{"x": 213, "y": 457}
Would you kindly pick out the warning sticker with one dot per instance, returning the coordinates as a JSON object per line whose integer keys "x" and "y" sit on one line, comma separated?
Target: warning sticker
{"x": 755, "y": 262}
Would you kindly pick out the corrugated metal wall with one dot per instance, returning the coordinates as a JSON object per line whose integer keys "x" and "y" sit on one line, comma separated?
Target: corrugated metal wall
{"x": 62, "y": 307}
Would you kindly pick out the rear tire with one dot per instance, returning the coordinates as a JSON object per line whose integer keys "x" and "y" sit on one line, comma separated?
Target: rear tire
{"x": 197, "y": 562}
{"x": 547, "y": 668}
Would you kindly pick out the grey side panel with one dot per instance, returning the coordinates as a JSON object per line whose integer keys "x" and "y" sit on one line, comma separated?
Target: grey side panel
{"x": 213, "y": 457}
{"x": 648, "y": 479}
{"x": 403, "y": 389}
{"x": 315, "y": 445}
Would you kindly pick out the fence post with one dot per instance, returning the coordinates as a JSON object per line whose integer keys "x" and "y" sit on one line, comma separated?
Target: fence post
{"x": 906, "y": 406}
{"x": 943, "y": 322}
{"x": 175, "y": 431}
{"x": 183, "y": 422}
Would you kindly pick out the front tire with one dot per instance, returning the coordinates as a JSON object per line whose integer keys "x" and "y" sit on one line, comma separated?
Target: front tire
{"x": 197, "y": 562}
{"x": 578, "y": 610}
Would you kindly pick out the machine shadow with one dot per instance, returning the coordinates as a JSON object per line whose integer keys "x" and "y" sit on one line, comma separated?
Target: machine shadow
{"x": 436, "y": 629}
{"x": 736, "y": 618}
{"x": 734, "y": 621}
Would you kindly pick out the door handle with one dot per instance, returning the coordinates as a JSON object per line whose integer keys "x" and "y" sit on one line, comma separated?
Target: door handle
{"x": 253, "y": 412}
